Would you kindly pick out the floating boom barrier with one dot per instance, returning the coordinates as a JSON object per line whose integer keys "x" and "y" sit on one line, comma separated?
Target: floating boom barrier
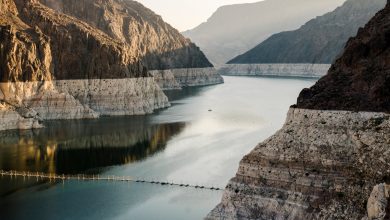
{"x": 83, "y": 177}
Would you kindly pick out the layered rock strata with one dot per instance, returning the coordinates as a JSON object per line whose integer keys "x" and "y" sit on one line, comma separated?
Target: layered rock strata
{"x": 187, "y": 77}
{"x": 156, "y": 43}
{"x": 331, "y": 158}
{"x": 85, "y": 59}
{"x": 283, "y": 70}
{"x": 320, "y": 165}
{"x": 78, "y": 99}
{"x": 114, "y": 97}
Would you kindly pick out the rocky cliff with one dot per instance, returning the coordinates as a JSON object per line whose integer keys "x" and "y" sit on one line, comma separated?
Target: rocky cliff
{"x": 330, "y": 159}
{"x": 320, "y": 40}
{"x": 234, "y": 29}
{"x": 359, "y": 80}
{"x": 66, "y": 59}
{"x": 159, "y": 45}
{"x": 41, "y": 50}
{"x": 25, "y": 53}
{"x": 78, "y": 50}
{"x": 148, "y": 37}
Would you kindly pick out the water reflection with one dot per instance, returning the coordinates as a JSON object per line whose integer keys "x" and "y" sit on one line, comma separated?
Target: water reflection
{"x": 71, "y": 147}
{"x": 205, "y": 151}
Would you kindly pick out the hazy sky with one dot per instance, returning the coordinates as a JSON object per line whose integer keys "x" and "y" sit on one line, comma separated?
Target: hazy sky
{"x": 187, "y": 14}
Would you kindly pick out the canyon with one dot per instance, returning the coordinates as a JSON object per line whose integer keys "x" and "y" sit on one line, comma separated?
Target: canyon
{"x": 86, "y": 59}
{"x": 330, "y": 159}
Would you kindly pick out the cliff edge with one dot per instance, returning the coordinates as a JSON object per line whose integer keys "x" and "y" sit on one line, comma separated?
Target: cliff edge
{"x": 330, "y": 159}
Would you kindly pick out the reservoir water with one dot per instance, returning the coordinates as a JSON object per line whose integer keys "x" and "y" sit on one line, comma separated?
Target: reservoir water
{"x": 199, "y": 140}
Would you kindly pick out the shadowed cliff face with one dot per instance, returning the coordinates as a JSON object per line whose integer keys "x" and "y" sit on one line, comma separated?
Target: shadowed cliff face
{"x": 80, "y": 51}
{"x": 88, "y": 39}
{"x": 25, "y": 52}
{"x": 159, "y": 45}
{"x": 360, "y": 79}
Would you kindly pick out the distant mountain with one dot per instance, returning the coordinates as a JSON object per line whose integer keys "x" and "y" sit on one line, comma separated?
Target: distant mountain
{"x": 318, "y": 41}
{"x": 234, "y": 29}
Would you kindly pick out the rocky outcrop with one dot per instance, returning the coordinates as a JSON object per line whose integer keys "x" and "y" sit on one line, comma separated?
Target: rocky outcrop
{"x": 234, "y": 29}
{"x": 378, "y": 203}
{"x": 78, "y": 50}
{"x": 320, "y": 165}
{"x": 44, "y": 99}
{"x": 114, "y": 97}
{"x": 331, "y": 158}
{"x": 78, "y": 99}
{"x": 12, "y": 120}
{"x": 85, "y": 59}
{"x": 25, "y": 52}
{"x": 280, "y": 69}
{"x": 159, "y": 45}
{"x": 360, "y": 79}
{"x": 320, "y": 40}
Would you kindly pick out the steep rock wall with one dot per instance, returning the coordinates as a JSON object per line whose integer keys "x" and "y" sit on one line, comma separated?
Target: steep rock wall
{"x": 320, "y": 165}
{"x": 110, "y": 97}
{"x": 80, "y": 51}
{"x": 159, "y": 45}
{"x": 41, "y": 50}
{"x": 331, "y": 158}
{"x": 360, "y": 79}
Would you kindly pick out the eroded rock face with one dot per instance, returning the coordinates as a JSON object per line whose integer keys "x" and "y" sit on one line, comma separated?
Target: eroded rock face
{"x": 11, "y": 119}
{"x": 159, "y": 45}
{"x": 360, "y": 79}
{"x": 378, "y": 203}
{"x": 80, "y": 51}
{"x": 39, "y": 46}
{"x": 333, "y": 151}
{"x": 25, "y": 53}
{"x": 320, "y": 165}
{"x": 114, "y": 97}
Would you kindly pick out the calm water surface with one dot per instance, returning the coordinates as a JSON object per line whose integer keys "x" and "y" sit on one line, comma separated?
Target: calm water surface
{"x": 199, "y": 140}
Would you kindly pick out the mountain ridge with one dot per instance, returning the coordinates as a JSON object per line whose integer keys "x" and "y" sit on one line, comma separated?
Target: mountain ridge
{"x": 234, "y": 29}
{"x": 320, "y": 40}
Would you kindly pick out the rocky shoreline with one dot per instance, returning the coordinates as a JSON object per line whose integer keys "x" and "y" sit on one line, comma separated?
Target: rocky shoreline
{"x": 331, "y": 158}
{"x": 25, "y": 104}
{"x": 278, "y": 69}
{"x": 320, "y": 165}
{"x": 85, "y": 59}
